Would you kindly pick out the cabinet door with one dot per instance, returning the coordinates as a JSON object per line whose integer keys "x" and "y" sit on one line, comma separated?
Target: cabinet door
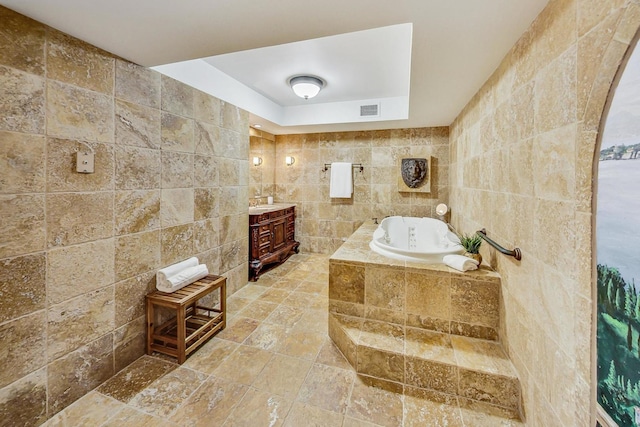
{"x": 278, "y": 238}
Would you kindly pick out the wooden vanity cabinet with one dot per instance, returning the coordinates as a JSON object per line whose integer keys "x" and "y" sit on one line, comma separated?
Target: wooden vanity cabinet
{"x": 271, "y": 239}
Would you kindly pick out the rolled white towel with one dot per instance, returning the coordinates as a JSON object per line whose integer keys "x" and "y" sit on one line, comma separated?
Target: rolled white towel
{"x": 164, "y": 273}
{"x": 182, "y": 278}
{"x": 460, "y": 262}
{"x": 176, "y": 276}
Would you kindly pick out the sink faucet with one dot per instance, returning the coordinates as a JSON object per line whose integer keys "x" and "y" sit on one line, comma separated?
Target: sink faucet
{"x": 255, "y": 201}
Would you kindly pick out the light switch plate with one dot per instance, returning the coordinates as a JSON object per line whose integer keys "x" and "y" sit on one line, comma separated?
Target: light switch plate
{"x": 84, "y": 162}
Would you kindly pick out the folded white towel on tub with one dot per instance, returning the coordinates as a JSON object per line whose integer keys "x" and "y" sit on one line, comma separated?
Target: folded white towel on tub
{"x": 341, "y": 184}
{"x": 177, "y": 276}
{"x": 460, "y": 262}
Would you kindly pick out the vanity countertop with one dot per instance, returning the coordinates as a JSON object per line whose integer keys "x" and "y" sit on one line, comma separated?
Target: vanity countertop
{"x": 260, "y": 209}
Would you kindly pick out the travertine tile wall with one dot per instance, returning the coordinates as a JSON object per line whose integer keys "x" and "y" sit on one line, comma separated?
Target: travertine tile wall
{"x": 78, "y": 252}
{"x": 323, "y": 223}
{"x": 521, "y": 164}
{"x": 262, "y": 179}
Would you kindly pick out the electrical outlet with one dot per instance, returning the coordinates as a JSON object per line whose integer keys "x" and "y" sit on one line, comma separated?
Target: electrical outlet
{"x": 84, "y": 162}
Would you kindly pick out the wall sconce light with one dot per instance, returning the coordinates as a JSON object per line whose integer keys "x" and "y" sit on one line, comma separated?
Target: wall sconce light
{"x": 306, "y": 86}
{"x": 257, "y": 161}
{"x": 289, "y": 160}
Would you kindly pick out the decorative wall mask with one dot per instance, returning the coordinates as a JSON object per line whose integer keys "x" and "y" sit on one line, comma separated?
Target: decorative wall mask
{"x": 414, "y": 174}
{"x": 414, "y": 171}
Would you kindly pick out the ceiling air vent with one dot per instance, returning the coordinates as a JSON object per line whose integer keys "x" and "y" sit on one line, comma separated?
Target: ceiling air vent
{"x": 371, "y": 110}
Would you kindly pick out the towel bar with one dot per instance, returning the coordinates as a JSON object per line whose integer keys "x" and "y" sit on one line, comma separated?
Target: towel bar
{"x": 355, "y": 165}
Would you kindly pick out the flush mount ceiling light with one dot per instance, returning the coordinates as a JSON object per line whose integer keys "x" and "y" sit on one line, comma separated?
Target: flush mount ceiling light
{"x": 306, "y": 86}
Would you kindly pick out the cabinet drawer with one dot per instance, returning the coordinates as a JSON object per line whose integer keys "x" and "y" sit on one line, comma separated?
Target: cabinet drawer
{"x": 265, "y": 229}
{"x": 276, "y": 214}
{"x": 266, "y": 238}
{"x": 264, "y": 250}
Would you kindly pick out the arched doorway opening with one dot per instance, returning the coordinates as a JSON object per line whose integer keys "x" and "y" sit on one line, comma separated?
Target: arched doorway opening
{"x": 616, "y": 228}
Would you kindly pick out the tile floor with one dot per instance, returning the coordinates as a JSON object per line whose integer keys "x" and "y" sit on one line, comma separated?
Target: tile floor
{"x": 274, "y": 365}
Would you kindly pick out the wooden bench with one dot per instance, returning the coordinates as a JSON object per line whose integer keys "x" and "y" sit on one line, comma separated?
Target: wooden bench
{"x": 193, "y": 323}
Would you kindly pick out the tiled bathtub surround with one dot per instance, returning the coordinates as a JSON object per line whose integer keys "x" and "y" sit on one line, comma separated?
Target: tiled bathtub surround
{"x": 420, "y": 325}
{"x": 367, "y": 285}
{"x": 78, "y": 252}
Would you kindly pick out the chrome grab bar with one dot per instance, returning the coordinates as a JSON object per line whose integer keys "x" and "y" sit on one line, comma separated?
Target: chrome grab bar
{"x": 516, "y": 253}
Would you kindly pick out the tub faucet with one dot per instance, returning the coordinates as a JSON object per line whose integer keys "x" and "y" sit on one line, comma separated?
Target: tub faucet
{"x": 452, "y": 229}
{"x": 375, "y": 220}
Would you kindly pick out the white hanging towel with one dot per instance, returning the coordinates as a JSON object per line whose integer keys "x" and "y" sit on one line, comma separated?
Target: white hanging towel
{"x": 341, "y": 185}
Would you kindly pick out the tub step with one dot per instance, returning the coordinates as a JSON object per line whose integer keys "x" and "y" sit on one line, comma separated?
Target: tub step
{"x": 474, "y": 370}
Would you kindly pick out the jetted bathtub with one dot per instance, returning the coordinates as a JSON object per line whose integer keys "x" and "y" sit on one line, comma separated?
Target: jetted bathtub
{"x": 415, "y": 239}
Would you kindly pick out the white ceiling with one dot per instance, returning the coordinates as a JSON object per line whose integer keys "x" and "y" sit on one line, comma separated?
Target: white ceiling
{"x": 369, "y": 67}
{"x": 360, "y": 65}
{"x": 455, "y": 46}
